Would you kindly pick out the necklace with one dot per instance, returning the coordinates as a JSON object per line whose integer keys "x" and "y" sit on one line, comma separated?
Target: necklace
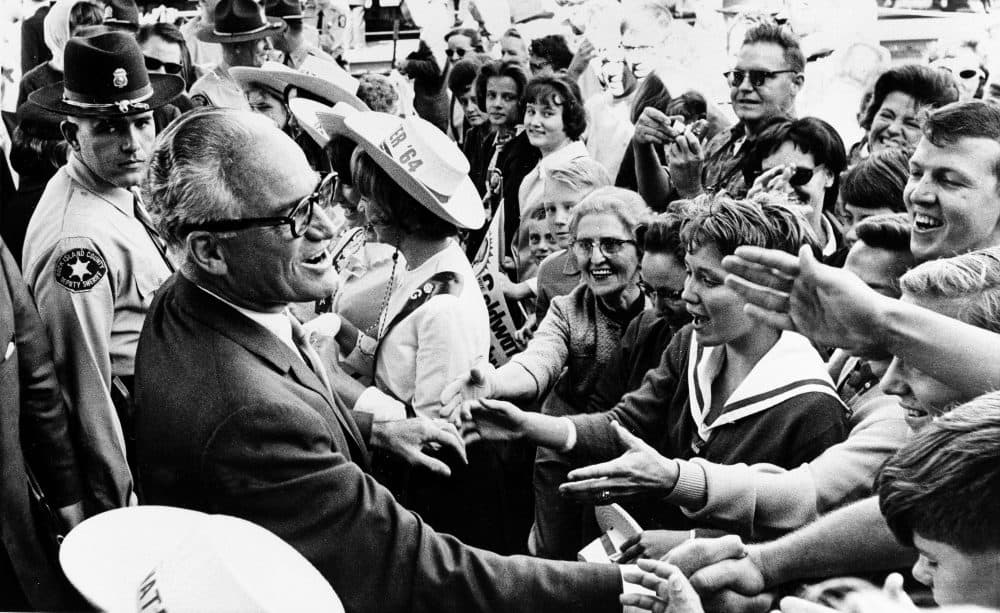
{"x": 375, "y": 330}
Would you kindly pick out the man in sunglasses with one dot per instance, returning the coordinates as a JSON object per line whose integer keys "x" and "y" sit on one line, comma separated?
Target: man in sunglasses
{"x": 762, "y": 86}
{"x": 91, "y": 257}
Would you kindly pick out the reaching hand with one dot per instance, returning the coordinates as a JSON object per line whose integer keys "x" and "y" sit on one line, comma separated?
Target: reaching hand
{"x": 493, "y": 420}
{"x": 656, "y": 127}
{"x": 773, "y": 180}
{"x": 581, "y": 59}
{"x": 685, "y": 159}
{"x": 651, "y": 544}
{"x": 831, "y": 306}
{"x": 478, "y": 383}
{"x": 640, "y": 470}
{"x": 674, "y": 593}
{"x": 410, "y": 438}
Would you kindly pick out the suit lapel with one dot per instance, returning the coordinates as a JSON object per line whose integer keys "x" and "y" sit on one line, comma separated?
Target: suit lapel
{"x": 255, "y": 339}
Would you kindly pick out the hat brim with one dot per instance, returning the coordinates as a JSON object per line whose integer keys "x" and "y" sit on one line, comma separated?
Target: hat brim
{"x": 463, "y": 208}
{"x": 280, "y": 79}
{"x": 107, "y": 556}
{"x": 306, "y": 112}
{"x": 166, "y": 87}
{"x": 207, "y": 33}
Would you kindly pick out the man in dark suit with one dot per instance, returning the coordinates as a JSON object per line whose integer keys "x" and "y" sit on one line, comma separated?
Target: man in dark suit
{"x": 34, "y": 51}
{"x": 32, "y": 414}
{"x": 231, "y": 419}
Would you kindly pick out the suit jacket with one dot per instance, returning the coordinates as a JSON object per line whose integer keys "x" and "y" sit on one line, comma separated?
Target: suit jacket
{"x": 34, "y": 51}
{"x": 32, "y": 413}
{"x": 230, "y": 420}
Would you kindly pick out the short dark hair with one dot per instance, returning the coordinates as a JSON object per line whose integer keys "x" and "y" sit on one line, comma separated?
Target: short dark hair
{"x": 810, "y": 135}
{"x": 781, "y": 36}
{"x": 651, "y": 92}
{"x": 463, "y": 73}
{"x": 944, "y": 483}
{"x": 495, "y": 69}
{"x": 553, "y": 49}
{"x": 890, "y": 231}
{"x": 377, "y": 91}
{"x": 663, "y": 235}
{"x": 928, "y": 86}
{"x": 471, "y": 33}
{"x": 85, "y": 13}
{"x": 563, "y": 91}
{"x": 877, "y": 181}
{"x": 170, "y": 33}
{"x": 396, "y": 207}
{"x": 970, "y": 119}
{"x": 690, "y": 105}
{"x": 728, "y": 223}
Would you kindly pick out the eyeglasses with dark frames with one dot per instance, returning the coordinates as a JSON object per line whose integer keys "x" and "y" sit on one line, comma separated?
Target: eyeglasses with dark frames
{"x": 757, "y": 77}
{"x": 609, "y": 246}
{"x": 674, "y": 295}
{"x": 169, "y": 67}
{"x": 460, "y": 52}
{"x": 298, "y": 220}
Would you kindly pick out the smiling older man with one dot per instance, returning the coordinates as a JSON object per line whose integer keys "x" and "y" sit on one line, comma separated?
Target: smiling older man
{"x": 235, "y": 413}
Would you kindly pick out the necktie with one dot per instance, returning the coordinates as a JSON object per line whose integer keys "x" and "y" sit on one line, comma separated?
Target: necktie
{"x": 309, "y": 353}
{"x": 147, "y": 223}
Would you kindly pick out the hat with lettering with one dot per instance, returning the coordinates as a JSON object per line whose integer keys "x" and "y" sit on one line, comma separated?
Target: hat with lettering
{"x": 320, "y": 78}
{"x": 105, "y": 75}
{"x": 158, "y": 559}
{"x": 321, "y": 122}
{"x": 237, "y": 21}
{"x": 423, "y": 161}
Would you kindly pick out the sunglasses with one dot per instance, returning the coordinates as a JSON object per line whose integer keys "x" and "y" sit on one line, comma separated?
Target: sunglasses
{"x": 298, "y": 220}
{"x": 169, "y": 67}
{"x": 801, "y": 176}
{"x": 673, "y": 295}
{"x": 608, "y": 246}
{"x": 460, "y": 52}
{"x": 757, "y": 77}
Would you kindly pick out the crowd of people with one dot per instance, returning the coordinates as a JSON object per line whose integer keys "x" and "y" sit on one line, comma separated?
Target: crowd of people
{"x": 431, "y": 327}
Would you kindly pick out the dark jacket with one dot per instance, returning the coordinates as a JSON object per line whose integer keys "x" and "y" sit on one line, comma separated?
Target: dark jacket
{"x": 34, "y": 51}
{"x": 32, "y": 414}
{"x": 230, "y": 420}
{"x": 430, "y": 96}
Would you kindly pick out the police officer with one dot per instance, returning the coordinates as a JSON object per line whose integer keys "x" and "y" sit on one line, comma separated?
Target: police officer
{"x": 91, "y": 257}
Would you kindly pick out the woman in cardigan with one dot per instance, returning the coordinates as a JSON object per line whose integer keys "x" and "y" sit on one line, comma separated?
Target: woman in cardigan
{"x": 574, "y": 343}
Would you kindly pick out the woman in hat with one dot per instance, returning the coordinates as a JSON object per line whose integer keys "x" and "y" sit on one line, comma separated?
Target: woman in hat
{"x": 61, "y": 23}
{"x": 432, "y": 323}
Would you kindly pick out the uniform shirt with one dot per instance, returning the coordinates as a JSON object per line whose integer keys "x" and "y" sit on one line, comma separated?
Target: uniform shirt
{"x": 92, "y": 268}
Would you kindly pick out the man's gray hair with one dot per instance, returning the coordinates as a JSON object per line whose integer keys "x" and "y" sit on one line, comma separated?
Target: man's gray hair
{"x": 196, "y": 173}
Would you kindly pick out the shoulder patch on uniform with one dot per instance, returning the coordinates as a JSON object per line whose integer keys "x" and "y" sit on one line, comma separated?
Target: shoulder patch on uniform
{"x": 80, "y": 269}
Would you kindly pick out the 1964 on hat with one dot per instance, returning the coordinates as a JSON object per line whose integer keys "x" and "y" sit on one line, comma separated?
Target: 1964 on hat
{"x": 105, "y": 75}
{"x": 238, "y": 21}
{"x": 423, "y": 161}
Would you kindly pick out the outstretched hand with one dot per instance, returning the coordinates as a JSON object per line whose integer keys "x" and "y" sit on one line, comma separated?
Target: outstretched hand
{"x": 651, "y": 544}
{"x": 641, "y": 470}
{"x": 410, "y": 439}
{"x": 673, "y": 592}
{"x": 830, "y": 306}
{"x": 456, "y": 396}
{"x": 493, "y": 420}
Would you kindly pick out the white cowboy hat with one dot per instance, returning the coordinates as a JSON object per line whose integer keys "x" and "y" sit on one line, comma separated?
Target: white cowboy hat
{"x": 423, "y": 161}
{"x": 321, "y": 122}
{"x": 185, "y": 561}
{"x": 316, "y": 76}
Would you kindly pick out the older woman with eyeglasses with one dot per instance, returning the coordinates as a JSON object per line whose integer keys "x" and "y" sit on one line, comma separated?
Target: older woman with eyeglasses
{"x": 573, "y": 345}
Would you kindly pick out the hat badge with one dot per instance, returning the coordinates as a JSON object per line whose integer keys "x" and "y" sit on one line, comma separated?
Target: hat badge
{"x": 109, "y": 12}
{"x": 120, "y": 78}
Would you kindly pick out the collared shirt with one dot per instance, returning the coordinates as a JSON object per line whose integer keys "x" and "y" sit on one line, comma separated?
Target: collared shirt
{"x": 277, "y": 324}
{"x": 724, "y": 156}
{"x": 92, "y": 268}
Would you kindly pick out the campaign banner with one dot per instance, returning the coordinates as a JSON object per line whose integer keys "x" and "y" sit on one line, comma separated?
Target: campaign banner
{"x": 487, "y": 269}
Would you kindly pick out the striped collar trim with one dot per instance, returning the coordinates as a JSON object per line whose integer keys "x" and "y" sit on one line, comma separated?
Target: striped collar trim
{"x": 791, "y": 368}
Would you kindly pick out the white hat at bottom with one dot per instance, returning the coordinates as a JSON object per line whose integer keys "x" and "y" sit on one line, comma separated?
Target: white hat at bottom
{"x": 154, "y": 558}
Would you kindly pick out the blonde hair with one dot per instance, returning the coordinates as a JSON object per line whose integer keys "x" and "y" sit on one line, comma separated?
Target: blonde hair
{"x": 626, "y": 205}
{"x": 970, "y": 280}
